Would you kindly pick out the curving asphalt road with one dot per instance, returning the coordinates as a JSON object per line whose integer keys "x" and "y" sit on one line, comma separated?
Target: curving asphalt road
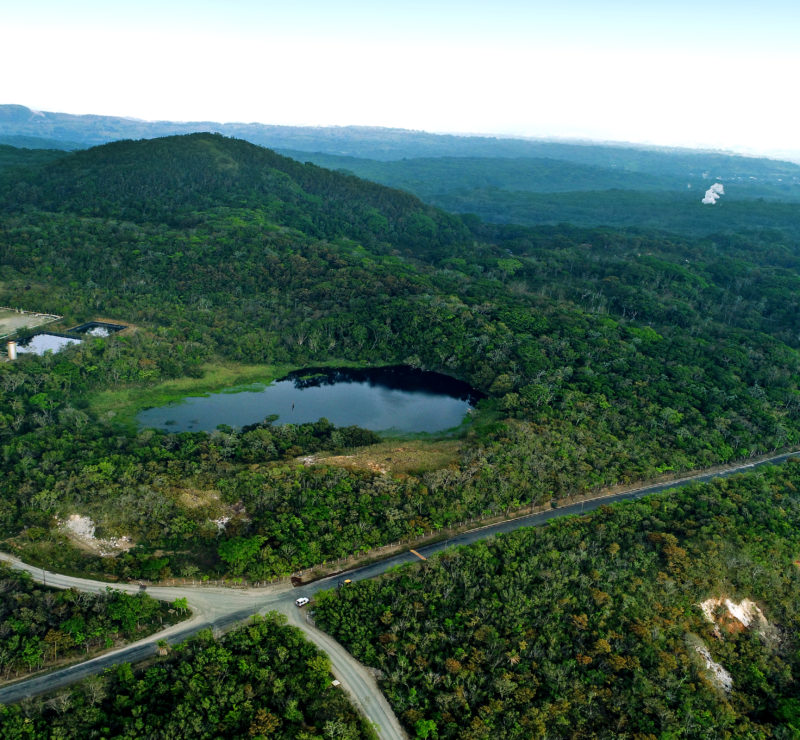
{"x": 222, "y": 608}
{"x": 217, "y": 609}
{"x": 356, "y": 678}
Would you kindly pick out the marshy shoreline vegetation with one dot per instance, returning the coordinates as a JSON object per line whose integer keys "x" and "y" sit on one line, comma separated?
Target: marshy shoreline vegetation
{"x": 395, "y": 401}
{"x": 122, "y": 404}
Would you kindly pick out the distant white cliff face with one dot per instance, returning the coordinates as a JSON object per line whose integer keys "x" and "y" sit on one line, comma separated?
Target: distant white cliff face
{"x": 713, "y": 193}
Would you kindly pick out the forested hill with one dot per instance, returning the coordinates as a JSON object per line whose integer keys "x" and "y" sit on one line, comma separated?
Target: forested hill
{"x": 171, "y": 180}
{"x": 607, "y": 356}
{"x": 430, "y": 177}
{"x": 12, "y": 156}
{"x": 501, "y": 180}
{"x": 649, "y": 192}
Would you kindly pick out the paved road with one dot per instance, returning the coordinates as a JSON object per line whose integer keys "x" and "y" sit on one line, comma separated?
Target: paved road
{"x": 533, "y": 520}
{"x": 221, "y": 608}
{"x": 359, "y": 683}
{"x": 214, "y": 608}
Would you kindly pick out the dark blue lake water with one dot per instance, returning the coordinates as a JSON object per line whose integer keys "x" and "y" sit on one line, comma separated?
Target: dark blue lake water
{"x": 390, "y": 399}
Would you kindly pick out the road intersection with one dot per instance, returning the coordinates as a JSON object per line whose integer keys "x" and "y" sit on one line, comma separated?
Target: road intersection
{"x": 220, "y": 608}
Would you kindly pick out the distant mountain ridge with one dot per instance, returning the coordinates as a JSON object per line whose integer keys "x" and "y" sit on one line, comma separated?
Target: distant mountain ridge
{"x": 387, "y": 143}
{"x": 426, "y": 176}
{"x": 499, "y": 180}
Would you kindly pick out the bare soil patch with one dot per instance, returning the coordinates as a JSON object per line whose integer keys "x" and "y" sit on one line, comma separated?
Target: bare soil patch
{"x": 12, "y": 320}
{"x": 397, "y": 458}
{"x": 81, "y": 531}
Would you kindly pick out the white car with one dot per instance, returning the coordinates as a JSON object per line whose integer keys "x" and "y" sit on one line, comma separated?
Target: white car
{"x": 302, "y": 601}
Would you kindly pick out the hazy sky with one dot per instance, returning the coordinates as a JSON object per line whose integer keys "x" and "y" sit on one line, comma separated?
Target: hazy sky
{"x": 718, "y": 74}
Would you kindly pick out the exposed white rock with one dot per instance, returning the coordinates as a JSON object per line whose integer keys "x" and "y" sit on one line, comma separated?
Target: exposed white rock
{"x": 720, "y": 677}
{"x": 80, "y": 526}
{"x": 746, "y": 612}
{"x": 82, "y": 529}
{"x": 221, "y": 523}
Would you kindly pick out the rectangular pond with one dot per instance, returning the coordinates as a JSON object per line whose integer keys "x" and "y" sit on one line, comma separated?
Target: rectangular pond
{"x": 38, "y": 344}
{"x": 97, "y": 329}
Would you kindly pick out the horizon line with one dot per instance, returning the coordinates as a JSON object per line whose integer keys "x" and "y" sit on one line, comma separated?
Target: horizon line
{"x": 792, "y": 156}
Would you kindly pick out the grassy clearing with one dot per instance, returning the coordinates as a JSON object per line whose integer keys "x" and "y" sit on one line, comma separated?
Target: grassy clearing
{"x": 122, "y": 404}
{"x": 198, "y": 498}
{"x": 411, "y": 457}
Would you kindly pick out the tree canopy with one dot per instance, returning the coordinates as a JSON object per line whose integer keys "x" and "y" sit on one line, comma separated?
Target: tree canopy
{"x": 590, "y": 626}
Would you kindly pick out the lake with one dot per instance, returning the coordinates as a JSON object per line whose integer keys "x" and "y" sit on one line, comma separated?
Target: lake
{"x": 389, "y": 399}
{"x": 38, "y": 344}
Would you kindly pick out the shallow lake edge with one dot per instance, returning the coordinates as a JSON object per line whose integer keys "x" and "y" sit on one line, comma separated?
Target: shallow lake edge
{"x": 392, "y": 376}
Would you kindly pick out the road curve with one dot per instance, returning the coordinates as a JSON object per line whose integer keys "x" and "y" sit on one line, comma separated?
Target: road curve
{"x": 221, "y": 608}
{"x": 217, "y": 609}
{"x": 355, "y": 678}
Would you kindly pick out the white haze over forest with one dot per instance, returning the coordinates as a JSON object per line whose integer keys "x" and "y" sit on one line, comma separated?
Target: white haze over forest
{"x": 617, "y": 71}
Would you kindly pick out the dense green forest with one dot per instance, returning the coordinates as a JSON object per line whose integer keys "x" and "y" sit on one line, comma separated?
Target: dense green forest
{"x": 534, "y": 191}
{"x": 11, "y": 156}
{"x": 37, "y": 142}
{"x": 608, "y": 356}
{"x": 431, "y": 176}
{"x": 262, "y": 680}
{"x": 667, "y": 211}
{"x": 41, "y": 626}
{"x": 593, "y": 626}
{"x": 173, "y": 181}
